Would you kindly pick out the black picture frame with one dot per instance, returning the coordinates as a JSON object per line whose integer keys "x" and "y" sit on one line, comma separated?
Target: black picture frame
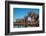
{"x": 7, "y": 17}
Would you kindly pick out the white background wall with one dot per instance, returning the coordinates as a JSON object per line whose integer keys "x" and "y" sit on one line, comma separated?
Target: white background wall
{"x": 2, "y": 18}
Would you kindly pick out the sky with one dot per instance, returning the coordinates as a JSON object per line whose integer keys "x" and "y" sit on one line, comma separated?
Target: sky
{"x": 21, "y": 12}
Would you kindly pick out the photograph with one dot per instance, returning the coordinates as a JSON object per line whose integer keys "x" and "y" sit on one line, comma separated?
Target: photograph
{"x": 25, "y": 17}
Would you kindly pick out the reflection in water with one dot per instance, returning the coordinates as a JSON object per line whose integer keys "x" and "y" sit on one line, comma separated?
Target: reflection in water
{"x": 19, "y": 26}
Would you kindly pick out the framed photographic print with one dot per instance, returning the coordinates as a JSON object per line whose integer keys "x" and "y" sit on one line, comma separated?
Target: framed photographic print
{"x": 24, "y": 17}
